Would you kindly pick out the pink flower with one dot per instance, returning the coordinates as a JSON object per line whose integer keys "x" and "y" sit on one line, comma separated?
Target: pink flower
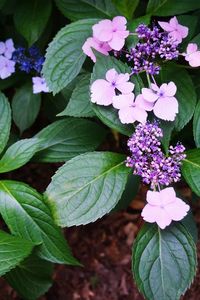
{"x": 7, "y": 48}
{"x": 92, "y": 43}
{"x": 7, "y": 67}
{"x": 164, "y": 105}
{"x": 113, "y": 32}
{"x": 164, "y": 207}
{"x": 176, "y": 31}
{"x": 103, "y": 91}
{"x": 192, "y": 55}
{"x": 129, "y": 110}
{"x": 39, "y": 85}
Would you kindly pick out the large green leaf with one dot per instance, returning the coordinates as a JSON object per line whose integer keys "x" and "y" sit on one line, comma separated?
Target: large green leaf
{"x": 126, "y": 7}
{"x": 164, "y": 261}
{"x": 109, "y": 115}
{"x": 196, "y": 125}
{"x": 67, "y": 138}
{"x": 18, "y": 154}
{"x": 185, "y": 94}
{"x": 31, "y": 17}
{"x": 27, "y": 216}
{"x": 31, "y": 278}
{"x": 171, "y": 7}
{"x": 191, "y": 170}
{"x": 65, "y": 57}
{"x": 83, "y": 9}
{"x": 5, "y": 121}
{"x": 13, "y": 250}
{"x": 86, "y": 188}
{"x": 79, "y": 104}
{"x": 25, "y": 107}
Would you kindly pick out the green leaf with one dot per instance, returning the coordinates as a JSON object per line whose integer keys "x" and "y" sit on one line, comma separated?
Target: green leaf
{"x": 65, "y": 57}
{"x": 171, "y": 7}
{"x": 27, "y": 216}
{"x": 79, "y": 104}
{"x": 108, "y": 115}
{"x": 18, "y": 154}
{"x": 13, "y": 250}
{"x": 67, "y": 138}
{"x": 126, "y": 7}
{"x": 5, "y": 121}
{"x": 164, "y": 261}
{"x": 167, "y": 128}
{"x": 31, "y": 278}
{"x": 185, "y": 94}
{"x": 31, "y": 17}
{"x": 86, "y": 188}
{"x": 196, "y": 125}
{"x": 83, "y": 9}
{"x": 24, "y": 98}
{"x": 191, "y": 170}
{"x": 191, "y": 225}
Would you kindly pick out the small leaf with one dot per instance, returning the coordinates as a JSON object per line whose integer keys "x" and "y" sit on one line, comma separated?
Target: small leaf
{"x": 24, "y": 98}
{"x": 126, "y": 7}
{"x": 86, "y": 188}
{"x": 164, "y": 261}
{"x": 83, "y": 9}
{"x": 171, "y": 7}
{"x": 13, "y": 250}
{"x": 67, "y": 138}
{"x": 196, "y": 125}
{"x": 18, "y": 154}
{"x": 191, "y": 170}
{"x": 31, "y": 278}
{"x": 5, "y": 121}
{"x": 65, "y": 57}
{"x": 79, "y": 104}
{"x": 31, "y": 17}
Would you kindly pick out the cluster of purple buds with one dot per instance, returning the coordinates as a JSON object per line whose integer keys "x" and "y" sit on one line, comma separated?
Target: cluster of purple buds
{"x": 30, "y": 60}
{"x": 153, "y": 44}
{"x": 148, "y": 160}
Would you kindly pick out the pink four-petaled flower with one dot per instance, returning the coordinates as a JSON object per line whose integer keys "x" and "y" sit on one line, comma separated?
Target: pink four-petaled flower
{"x": 192, "y": 55}
{"x": 164, "y": 207}
{"x": 39, "y": 85}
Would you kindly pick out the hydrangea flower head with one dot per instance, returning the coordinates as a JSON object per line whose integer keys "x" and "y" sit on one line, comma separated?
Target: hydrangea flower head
{"x": 129, "y": 110}
{"x": 165, "y": 104}
{"x": 103, "y": 90}
{"x": 39, "y": 85}
{"x": 113, "y": 32}
{"x": 164, "y": 207}
{"x": 7, "y": 48}
{"x": 93, "y": 43}
{"x": 192, "y": 55}
{"x": 7, "y": 67}
{"x": 175, "y": 30}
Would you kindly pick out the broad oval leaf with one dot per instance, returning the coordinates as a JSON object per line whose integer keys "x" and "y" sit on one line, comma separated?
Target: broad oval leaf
{"x": 185, "y": 94}
{"x": 18, "y": 154}
{"x": 83, "y": 9}
{"x": 79, "y": 104}
{"x": 171, "y": 7}
{"x": 65, "y": 57}
{"x": 24, "y": 98}
{"x": 164, "y": 261}
{"x": 67, "y": 138}
{"x": 108, "y": 114}
{"x": 13, "y": 250}
{"x": 27, "y": 216}
{"x": 31, "y": 17}
{"x": 196, "y": 125}
{"x": 86, "y": 188}
{"x": 191, "y": 170}
{"x": 31, "y": 278}
{"x": 5, "y": 121}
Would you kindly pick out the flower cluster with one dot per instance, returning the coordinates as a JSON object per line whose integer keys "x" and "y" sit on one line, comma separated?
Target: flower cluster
{"x": 7, "y": 64}
{"x": 148, "y": 159}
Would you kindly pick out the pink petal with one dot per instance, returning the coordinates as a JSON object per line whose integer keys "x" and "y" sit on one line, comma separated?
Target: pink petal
{"x": 173, "y": 22}
{"x": 126, "y": 115}
{"x": 140, "y": 115}
{"x": 183, "y": 30}
{"x": 177, "y": 210}
{"x": 149, "y": 213}
{"x": 154, "y": 87}
{"x": 194, "y": 59}
{"x": 171, "y": 89}
{"x": 97, "y": 45}
{"x": 166, "y": 108}
{"x": 119, "y": 23}
{"x": 192, "y": 47}
{"x": 176, "y": 36}
{"x": 87, "y": 49}
{"x": 142, "y": 103}
{"x": 126, "y": 87}
{"x": 166, "y": 26}
{"x": 149, "y": 95}
{"x": 122, "y": 78}
{"x": 167, "y": 196}
{"x": 163, "y": 219}
{"x": 153, "y": 198}
{"x": 116, "y": 43}
{"x": 123, "y": 101}
{"x": 102, "y": 92}
{"x": 103, "y": 30}
{"x": 111, "y": 75}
